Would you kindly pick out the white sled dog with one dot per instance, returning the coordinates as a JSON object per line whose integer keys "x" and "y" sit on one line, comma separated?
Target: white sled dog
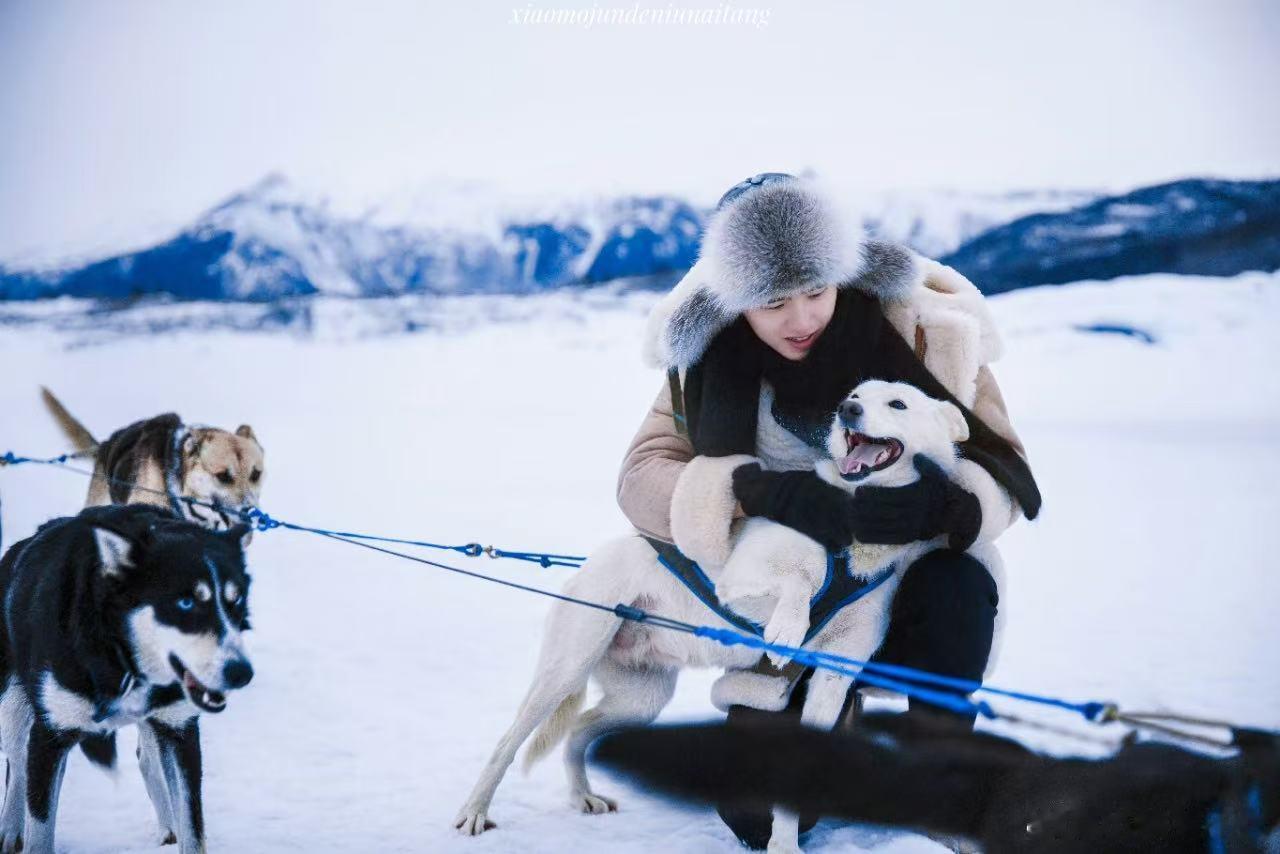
{"x": 763, "y": 570}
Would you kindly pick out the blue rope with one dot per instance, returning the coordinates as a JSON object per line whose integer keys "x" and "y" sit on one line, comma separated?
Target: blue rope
{"x": 880, "y": 675}
{"x": 725, "y": 637}
{"x": 1092, "y": 710}
{"x": 544, "y": 560}
{"x": 825, "y": 661}
{"x": 259, "y": 519}
{"x": 264, "y": 522}
{"x": 898, "y": 678}
{"x": 12, "y": 459}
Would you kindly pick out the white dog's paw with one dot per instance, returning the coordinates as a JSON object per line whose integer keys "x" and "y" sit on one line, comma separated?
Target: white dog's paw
{"x": 779, "y": 846}
{"x": 589, "y": 803}
{"x": 785, "y": 630}
{"x": 756, "y": 690}
{"x": 473, "y": 821}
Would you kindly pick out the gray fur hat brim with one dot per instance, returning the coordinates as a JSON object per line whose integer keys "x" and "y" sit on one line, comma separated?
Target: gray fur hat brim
{"x": 774, "y": 241}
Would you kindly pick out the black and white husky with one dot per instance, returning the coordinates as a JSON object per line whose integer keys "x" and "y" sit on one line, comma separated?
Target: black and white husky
{"x": 121, "y": 615}
{"x": 764, "y": 571}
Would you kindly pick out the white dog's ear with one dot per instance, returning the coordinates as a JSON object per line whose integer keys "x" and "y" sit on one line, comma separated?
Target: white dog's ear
{"x": 115, "y": 552}
{"x": 955, "y": 422}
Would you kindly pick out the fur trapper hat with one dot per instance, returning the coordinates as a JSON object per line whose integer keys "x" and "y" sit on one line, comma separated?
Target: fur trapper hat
{"x": 771, "y": 236}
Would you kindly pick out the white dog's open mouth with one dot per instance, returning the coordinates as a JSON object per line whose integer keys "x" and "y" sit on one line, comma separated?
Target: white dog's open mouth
{"x": 204, "y": 699}
{"x": 867, "y": 454}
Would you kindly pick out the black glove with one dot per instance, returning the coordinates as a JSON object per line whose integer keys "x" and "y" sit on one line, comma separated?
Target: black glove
{"x": 798, "y": 499}
{"x": 931, "y": 506}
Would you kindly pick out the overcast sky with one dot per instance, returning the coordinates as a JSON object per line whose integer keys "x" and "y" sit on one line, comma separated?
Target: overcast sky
{"x": 119, "y": 119}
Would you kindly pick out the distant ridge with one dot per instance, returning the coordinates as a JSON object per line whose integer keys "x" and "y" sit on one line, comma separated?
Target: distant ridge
{"x": 272, "y": 242}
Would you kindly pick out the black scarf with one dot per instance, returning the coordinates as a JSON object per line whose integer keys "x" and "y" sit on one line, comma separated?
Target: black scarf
{"x": 722, "y": 390}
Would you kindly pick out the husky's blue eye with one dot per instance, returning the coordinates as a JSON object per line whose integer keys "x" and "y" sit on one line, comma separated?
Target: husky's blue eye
{"x": 897, "y": 404}
{"x": 186, "y": 603}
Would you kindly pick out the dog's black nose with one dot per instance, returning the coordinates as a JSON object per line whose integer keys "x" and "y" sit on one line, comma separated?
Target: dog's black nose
{"x": 237, "y": 673}
{"x": 850, "y": 409}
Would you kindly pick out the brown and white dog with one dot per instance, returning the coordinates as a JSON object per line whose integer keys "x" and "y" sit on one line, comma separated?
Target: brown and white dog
{"x": 160, "y": 461}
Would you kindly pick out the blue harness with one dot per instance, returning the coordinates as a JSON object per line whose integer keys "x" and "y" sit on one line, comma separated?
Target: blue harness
{"x": 839, "y": 589}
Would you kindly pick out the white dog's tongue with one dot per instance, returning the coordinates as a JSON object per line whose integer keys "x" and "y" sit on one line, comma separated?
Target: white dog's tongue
{"x": 863, "y": 456}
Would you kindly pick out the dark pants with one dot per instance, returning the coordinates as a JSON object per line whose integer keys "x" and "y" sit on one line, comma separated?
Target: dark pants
{"x": 942, "y": 620}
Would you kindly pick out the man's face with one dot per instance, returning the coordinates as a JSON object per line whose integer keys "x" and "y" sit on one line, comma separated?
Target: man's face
{"x": 792, "y": 325}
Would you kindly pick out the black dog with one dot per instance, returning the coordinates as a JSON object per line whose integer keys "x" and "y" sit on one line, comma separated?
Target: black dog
{"x": 122, "y": 614}
{"x": 904, "y": 771}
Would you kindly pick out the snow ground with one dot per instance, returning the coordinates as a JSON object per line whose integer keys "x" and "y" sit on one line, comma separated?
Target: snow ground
{"x": 382, "y": 685}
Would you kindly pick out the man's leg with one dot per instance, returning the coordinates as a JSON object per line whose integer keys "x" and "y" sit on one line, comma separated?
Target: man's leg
{"x": 942, "y": 621}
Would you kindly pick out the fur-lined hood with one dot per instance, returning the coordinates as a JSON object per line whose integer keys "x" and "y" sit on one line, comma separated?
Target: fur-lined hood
{"x": 775, "y": 240}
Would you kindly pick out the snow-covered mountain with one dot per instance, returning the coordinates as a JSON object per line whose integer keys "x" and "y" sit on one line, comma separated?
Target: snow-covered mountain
{"x": 1193, "y": 227}
{"x": 276, "y": 241}
{"x": 935, "y": 223}
{"x": 273, "y": 241}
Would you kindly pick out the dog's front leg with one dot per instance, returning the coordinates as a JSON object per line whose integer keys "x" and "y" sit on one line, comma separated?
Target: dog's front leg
{"x": 47, "y": 751}
{"x": 15, "y": 801}
{"x": 157, "y": 788}
{"x": 822, "y": 705}
{"x": 790, "y": 621}
{"x": 15, "y": 731}
{"x": 180, "y": 762}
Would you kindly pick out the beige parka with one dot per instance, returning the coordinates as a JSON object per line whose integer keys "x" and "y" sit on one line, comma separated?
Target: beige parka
{"x": 944, "y": 316}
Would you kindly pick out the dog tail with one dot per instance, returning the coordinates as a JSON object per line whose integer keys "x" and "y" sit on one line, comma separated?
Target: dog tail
{"x": 100, "y": 750}
{"x": 554, "y": 728}
{"x": 74, "y": 430}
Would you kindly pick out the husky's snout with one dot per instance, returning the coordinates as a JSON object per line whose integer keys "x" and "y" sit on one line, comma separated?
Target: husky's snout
{"x": 207, "y": 683}
{"x": 237, "y": 673}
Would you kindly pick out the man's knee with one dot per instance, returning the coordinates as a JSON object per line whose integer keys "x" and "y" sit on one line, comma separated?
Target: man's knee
{"x": 956, "y": 581}
{"x": 943, "y": 616}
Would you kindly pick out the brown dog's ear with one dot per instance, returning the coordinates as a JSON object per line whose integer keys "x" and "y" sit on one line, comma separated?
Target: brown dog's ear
{"x": 954, "y": 419}
{"x": 244, "y": 431}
